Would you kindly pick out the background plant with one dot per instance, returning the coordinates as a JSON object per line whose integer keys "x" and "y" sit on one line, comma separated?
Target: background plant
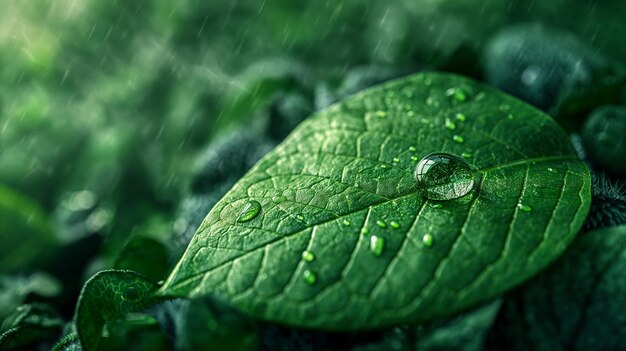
{"x": 120, "y": 129}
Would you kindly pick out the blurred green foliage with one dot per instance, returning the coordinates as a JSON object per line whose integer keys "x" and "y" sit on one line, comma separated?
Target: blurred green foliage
{"x": 107, "y": 106}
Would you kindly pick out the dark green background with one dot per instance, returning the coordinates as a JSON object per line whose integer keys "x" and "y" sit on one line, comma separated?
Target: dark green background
{"x": 107, "y": 106}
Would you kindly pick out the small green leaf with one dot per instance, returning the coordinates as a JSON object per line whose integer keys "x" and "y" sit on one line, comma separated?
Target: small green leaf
{"x": 443, "y": 257}
{"x": 145, "y": 256}
{"x": 108, "y": 296}
{"x": 576, "y": 304}
{"x": 29, "y": 324}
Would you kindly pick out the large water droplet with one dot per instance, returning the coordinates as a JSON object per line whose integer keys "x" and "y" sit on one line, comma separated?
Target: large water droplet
{"x": 444, "y": 176}
{"x": 377, "y": 244}
{"x": 249, "y": 211}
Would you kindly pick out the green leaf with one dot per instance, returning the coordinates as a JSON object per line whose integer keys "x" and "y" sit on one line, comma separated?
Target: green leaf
{"x": 108, "y": 296}
{"x": 576, "y": 304}
{"x": 346, "y": 175}
{"x": 26, "y": 238}
{"x": 70, "y": 342}
{"x": 144, "y": 255}
{"x": 29, "y": 324}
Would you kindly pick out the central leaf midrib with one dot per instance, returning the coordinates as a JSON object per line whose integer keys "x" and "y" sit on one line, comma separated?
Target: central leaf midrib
{"x": 401, "y": 196}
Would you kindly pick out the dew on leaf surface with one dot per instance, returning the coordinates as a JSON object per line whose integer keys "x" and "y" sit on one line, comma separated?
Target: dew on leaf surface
{"x": 377, "y": 244}
{"x": 249, "y": 211}
{"x": 443, "y": 176}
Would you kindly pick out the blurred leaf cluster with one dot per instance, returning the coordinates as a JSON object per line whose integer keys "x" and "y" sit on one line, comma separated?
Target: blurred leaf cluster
{"x": 120, "y": 121}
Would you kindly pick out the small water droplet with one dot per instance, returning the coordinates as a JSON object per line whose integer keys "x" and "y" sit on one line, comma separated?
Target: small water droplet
{"x": 250, "y": 210}
{"x": 377, "y": 244}
{"x": 414, "y": 158}
{"x": 381, "y": 224}
{"x": 131, "y": 294}
{"x": 309, "y": 277}
{"x": 450, "y": 124}
{"x": 428, "y": 82}
{"x": 308, "y": 256}
{"x": 552, "y": 170}
{"x": 346, "y": 222}
{"x": 444, "y": 176}
{"x": 427, "y": 240}
{"x": 523, "y": 207}
{"x": 461, "y": 117}
{"x": 300, "y": 217}
{"x": 365, "y": 231}
{"x": 395, "y": 160}
{"x": 431, "y": 101}
{"x": 466, "y": 155}
{"x": 279, "y": 199}
{"x": 510, "y": 116}
{"x": 458, "y": 138}
{"x": 383, "y": 166}
{"x": 425, "y": 120}
{"x": 381, "y": 114}
{"x": 504, "y": 107}
{"x": 437, "y": 206}
{"x": 412, "y": 148}
{"x": 394, "y": 224}
{"x": 457, "y": 94}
